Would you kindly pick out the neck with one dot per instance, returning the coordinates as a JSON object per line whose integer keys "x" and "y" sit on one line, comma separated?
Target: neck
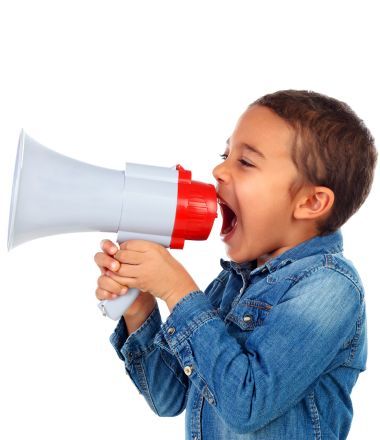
{"x": 290, "y": 243}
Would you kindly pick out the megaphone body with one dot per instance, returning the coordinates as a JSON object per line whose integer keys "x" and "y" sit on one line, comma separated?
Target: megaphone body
{"x": 55, "y": 194}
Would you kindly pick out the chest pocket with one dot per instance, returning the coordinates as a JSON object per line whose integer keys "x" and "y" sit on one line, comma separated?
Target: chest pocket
{"x": 248, "y": 314}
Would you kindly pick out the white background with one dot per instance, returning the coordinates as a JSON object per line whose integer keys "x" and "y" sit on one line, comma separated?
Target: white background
{"x": 161, "y": 83}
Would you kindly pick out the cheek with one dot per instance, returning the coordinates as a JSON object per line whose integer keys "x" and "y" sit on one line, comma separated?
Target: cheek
{"x": 276, "y": 189}
{"x": 269, "y": 201}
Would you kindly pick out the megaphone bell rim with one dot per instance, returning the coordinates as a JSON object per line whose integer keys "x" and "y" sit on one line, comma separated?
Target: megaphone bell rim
{"x": 15, "y": 188}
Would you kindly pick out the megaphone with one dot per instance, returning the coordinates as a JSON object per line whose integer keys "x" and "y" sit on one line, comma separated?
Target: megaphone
{"x": 55, "y": 194}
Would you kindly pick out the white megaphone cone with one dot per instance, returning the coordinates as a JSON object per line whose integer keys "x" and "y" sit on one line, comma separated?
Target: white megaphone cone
{"x": 54, "y": 194}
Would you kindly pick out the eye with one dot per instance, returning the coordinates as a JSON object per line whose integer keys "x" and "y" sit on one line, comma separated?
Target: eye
{"x": 246, "y": 164}
{"x": 242, "y": 161}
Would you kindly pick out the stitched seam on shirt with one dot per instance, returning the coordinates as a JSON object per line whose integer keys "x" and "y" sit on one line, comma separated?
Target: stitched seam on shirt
{"x": 144, "y": 385}
{"x": 186, "y": 298}
{"x": 355, "y": 340}
{"x": 335, "y": 268}
{"x": 223, "y": 277}
{"x": 202, "y": 386}
{"x": 347, "y": 275}
{"x": 305, "y": 274}
{"x": 314, "y": 416}
{"x": 195, "y": 325}
{"x": 205, "y": 391}
{"x": 140, "y": 353}
{"x": 133, "y": 379}
{"x": 338, "y": 269}
{"x": 337, "y": 264}
{"x": 179, "y": 378}
{"x": 196, "y": 410}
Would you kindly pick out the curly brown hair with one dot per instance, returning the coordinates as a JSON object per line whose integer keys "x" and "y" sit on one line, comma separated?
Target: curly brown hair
{"x": 332, "y": 147}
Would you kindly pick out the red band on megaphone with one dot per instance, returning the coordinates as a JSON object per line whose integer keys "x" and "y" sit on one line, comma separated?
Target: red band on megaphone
{"x": 196, "y": 210}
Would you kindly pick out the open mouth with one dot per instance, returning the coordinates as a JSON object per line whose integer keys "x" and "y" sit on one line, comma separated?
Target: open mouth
{"x": 229, "y": 218}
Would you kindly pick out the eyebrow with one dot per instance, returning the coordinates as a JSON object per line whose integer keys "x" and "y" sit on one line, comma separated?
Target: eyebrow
{"x": 250, "y": 148}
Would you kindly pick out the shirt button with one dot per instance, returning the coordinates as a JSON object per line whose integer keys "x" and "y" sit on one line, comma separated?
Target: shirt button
{"x": 242, "y": 290}
{"x": 171, "y": 330}
{"x": 188, "y": 370}
{"x": 247, "y": 318}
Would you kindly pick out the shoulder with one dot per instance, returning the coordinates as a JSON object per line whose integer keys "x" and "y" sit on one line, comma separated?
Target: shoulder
{"x": 326, "y": 280}
{"x": 329, "y": 266}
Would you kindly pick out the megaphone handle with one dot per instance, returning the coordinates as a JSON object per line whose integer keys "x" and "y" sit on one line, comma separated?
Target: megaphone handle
{"x": 114, "y": 308}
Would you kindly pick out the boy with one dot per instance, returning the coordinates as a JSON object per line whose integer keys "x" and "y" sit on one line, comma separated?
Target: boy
{"x": 273, "y": 346}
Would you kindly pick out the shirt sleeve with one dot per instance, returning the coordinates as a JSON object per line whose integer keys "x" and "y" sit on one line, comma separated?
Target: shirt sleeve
{"x": 248, "y": 387}
{"x": 154, "y": 371}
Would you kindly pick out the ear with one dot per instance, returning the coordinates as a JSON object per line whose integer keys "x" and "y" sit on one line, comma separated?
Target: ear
{"x": 316, "y": 203}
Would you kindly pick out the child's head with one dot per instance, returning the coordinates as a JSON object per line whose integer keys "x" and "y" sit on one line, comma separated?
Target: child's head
{"x": 312, "y": 170}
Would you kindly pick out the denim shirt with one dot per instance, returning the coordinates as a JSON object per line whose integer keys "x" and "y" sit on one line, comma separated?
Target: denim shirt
{"x": 269, "y": 352}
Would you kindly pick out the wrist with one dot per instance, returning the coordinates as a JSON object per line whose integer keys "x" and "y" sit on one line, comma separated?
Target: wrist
{"x": 176, "y": 296}
{"x": 137, "y": 311}
{"x": 133, "y": 322}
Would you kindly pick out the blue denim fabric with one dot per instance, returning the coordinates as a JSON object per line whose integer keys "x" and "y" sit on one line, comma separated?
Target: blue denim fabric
{"x": 269, "y": 352}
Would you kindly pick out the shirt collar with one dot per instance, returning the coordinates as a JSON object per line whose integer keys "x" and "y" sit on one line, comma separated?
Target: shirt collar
{"x": 320, "y": 244}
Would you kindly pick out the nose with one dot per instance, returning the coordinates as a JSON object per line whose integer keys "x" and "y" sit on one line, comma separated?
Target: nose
{"x": 220, "y": 172}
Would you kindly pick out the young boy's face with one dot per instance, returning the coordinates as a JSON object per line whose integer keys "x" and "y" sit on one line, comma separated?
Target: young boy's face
{"x": 256, "y": 185}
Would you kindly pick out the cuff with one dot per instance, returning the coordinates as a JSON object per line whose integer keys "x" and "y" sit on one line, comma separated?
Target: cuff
{"x": 135, "y": 344}
{"x": 190, "y": 312}
{"x": 188, "y": 315}
{"x": 119, "y": 336}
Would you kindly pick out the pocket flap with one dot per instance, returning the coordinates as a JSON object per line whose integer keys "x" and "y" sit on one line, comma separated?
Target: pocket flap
{"x": 249, "y": 313}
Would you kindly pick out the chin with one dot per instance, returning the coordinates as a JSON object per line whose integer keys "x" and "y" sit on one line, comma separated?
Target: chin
{"x": 238, "y": 258}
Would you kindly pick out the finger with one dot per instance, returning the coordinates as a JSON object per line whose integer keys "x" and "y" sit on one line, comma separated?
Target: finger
{"x": 137, "y": 245}
{"x": 124, "y": 280}
{"x": 127, "y": 271}
{"x": 102, "y": 294}
{"x": 107, "y": 283}
{"x": 129, "y": 257}
{"x": 109, "y": 247}
{"x": 104, "y": 260}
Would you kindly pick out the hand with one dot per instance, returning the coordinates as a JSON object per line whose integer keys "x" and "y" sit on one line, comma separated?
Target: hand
{"x": 149, "y": 266}
{"x": 110, "y": 289}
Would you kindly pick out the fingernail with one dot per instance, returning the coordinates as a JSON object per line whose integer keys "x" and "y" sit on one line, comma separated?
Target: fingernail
{"x": 123, "y": 290}
{"x": 114, "y": 265}
{"x": 113, "y": 249}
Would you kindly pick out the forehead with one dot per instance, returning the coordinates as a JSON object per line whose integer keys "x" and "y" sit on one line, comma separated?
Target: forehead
{"x": 261, "y": 127}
